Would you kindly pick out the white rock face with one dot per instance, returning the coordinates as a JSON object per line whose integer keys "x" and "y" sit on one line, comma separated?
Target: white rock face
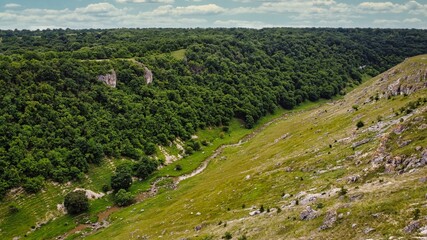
{"x": 148, "y": 75}
{"x": 110, "y": 79}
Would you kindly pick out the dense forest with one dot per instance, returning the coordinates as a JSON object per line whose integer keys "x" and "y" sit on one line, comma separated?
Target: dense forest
{"x": 56, "y": 118}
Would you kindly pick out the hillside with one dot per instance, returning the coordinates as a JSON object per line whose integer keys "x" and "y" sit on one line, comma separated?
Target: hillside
{"x": 315, "y": 174}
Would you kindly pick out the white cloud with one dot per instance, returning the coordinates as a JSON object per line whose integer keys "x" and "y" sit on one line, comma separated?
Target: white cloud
{"x": 381, "y": 7}
{"x": 411, "y": 7}
{"x": 12, "y": 5}
{"x": 242, "y": 24}
{"x": 412, "y": 20}
{"x": 187, "y": 10}
{"x": 146, "y": 1}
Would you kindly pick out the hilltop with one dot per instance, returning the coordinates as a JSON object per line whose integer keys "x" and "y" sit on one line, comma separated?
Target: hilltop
{"x": 313, "y": 173}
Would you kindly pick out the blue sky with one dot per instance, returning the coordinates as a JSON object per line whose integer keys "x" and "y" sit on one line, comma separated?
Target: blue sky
{"x": 77, "y": 14}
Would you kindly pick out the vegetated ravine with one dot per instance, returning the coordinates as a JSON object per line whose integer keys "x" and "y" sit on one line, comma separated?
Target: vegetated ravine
{"x": 57, "y": 118}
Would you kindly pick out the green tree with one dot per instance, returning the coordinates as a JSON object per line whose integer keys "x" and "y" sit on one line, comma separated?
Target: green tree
{"x": 76, "y": 202}
{"x": 33, "y": 185}
{"x": 123, "y": 198}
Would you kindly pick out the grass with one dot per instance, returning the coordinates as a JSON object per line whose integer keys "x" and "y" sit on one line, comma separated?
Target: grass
{"x": 179, "y": 54}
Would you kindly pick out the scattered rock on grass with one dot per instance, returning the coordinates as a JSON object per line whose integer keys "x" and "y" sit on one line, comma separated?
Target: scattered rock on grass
{"x": 368, "y": 230}
{"x": 412, "y": 227}
{"x": 308, "y": 214}
{"x": 330, "y": 219}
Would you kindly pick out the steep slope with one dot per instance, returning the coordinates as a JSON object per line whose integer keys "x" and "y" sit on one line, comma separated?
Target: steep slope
{"x": 311, "y": 174}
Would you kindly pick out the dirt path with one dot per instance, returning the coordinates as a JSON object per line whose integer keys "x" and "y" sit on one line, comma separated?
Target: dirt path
{"x": 103, "y": 216}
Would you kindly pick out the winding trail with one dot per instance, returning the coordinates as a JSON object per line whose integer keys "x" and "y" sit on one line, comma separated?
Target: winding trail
{"x": 103, "y": 216}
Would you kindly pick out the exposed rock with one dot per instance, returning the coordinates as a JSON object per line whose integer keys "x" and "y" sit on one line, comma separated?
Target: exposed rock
{"x": 353, "y": 179}
{"x": 423, "y": 231}
{"x": 329, "y": 220}
{"x": 404, "y": 143}
{"x": 287, "y": 195}
{"x": 361, "y": 142}
{"x": 308, "y": 214}
{"x": 61, "y": 208}
{"x": 198, "y": 228}
{"x": 253, "y": 213}
{"x": 418, "y": 148}
{"x": 281, "y": 138}
{"x": 90, "y": 194}
{"x": 423, "y": 180}
{"x": 368, "y": 230}
{"x": 148, "y": 75}
{"x": 412, "y": 226}
{"x": 110, "y": 78}
{"x": 356, "y": 197}
{"x": 399, "y": 129}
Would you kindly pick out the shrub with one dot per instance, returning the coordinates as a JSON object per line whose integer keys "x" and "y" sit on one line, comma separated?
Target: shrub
{"x": 355, "y": 107}
{"x": 33, "y": 185}
{"x": 178, "y": 167}
{"x": 360, "y": 124}
{"x": 343, "y": 191}
{"x": 13, "y": 208}
{"x": 106, "y": 188}
{"x": 76, "y": 202}
{"x": 416, "y": 214}
{"x": 227, "y": 235}
{"x": 123, "y": 198}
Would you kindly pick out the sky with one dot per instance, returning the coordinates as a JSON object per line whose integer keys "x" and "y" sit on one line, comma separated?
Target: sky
{"x": 78, "y": 14}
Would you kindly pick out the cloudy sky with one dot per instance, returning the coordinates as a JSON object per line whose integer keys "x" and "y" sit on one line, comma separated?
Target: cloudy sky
{"x": 41, "y": 14}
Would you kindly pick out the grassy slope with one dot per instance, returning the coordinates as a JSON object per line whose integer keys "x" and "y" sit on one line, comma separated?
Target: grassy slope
{"x": 260, "y": 171}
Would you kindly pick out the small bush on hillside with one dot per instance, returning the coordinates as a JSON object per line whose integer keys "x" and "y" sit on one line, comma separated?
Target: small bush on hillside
{"x": 243, "y": 237}
{"x": 123, "y": 198}
{"x": 343, "y": 191}
{"x": 13, "y": 208}
{"x": 106, "y": 188}
{"x": 360, "y": 124}
{"x": 416, "y": 214}
{"x": 227, "y": 235}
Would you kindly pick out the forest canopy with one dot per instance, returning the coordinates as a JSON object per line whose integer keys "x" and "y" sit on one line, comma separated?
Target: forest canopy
{"x": 56, "y": 118}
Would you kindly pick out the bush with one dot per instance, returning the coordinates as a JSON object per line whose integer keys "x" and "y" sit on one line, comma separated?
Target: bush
{"x": 123, "y": 198}
{"x": 360, "y": 124}
{"x": 121, "y": 180}
{"x": 227, "y": 235}
{"x": 33, "y": 185}
{"x": 13, "y": 208}
{"x": 343, "y": 191}
{"x": 76, "y": 202}
{"x": 106, "y": 188}
{"x": 178, "y": 167}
